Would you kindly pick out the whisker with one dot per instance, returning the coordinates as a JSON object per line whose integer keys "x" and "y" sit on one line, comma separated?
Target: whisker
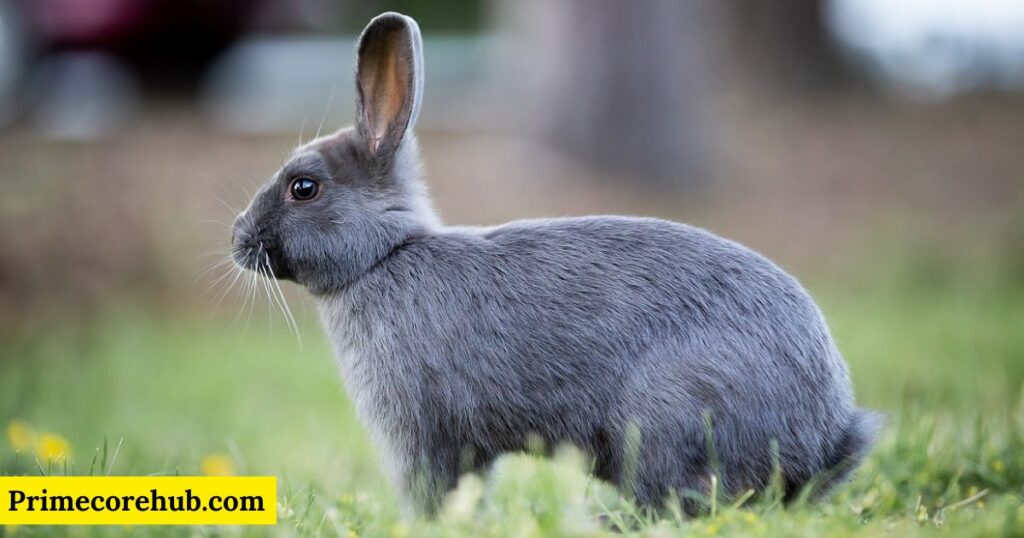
{"x": 248, "y": 290}
{"x": 227, "y": 273}
{"x": 271, "y": 296}
{"x": 247, "y": 190}
{"x": 302, "y": 128}
{"x": 266, "y": 287}
{"x": 283, "y": 303}
{"x": 229, "y": 207}
{"x": 223, "y": 258}
{"x": 220, "y": 297}
{"x": 255, "y": 289}
{"x": 213, "y": 264}
{"x": 245, "y": 293}
{"x": 214, "y": 221}
{"x": 252, "y": 304}
{"x": 327, "y": 109}
{"x": 218, "y": 252}
{"x": 270, "y": 302}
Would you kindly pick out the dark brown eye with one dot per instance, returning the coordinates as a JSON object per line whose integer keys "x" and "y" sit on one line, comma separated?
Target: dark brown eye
{"x": 304, "y": 188}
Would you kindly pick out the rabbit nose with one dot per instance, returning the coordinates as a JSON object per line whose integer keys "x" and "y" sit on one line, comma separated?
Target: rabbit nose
{"x": 239, "y": 235}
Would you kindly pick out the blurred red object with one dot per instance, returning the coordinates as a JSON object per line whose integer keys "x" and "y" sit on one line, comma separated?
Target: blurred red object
{"x": 89, "y": 21}
{"x": 118, "y": 23}
{"x": 164, "y": 44}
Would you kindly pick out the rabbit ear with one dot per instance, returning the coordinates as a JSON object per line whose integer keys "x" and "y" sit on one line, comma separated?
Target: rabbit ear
{"x": 389, "y": 81}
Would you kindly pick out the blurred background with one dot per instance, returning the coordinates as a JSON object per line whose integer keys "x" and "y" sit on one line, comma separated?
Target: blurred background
{"x": 875, "y": 149}
{"x": 820, "y": 132}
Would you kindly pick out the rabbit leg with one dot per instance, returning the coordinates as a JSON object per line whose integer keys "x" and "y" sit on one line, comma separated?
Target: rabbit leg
{"x": 654, "y": 466}
{"x": 654, "y": 486}
{"x": 424, "y": 478}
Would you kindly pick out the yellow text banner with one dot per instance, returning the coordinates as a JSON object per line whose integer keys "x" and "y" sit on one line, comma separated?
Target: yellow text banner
{"x": 138, "y": 500}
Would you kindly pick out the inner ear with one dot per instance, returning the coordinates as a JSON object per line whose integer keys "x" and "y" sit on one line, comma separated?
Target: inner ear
{"x": 384, "y": 84}
{"x": 385, "y": 79}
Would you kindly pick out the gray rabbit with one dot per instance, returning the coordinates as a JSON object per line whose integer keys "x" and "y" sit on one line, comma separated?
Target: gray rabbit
{"x": 667, "y": 354}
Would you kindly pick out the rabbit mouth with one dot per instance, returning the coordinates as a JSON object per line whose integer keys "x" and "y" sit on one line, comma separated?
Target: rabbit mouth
{"x": 262, "y": 259}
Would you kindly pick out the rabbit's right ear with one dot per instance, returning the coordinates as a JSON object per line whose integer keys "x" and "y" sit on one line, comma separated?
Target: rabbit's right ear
{"x": 389, "y": 82}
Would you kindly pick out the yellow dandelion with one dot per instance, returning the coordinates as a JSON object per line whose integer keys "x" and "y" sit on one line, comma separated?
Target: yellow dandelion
{"x": 750, "y": 517}
{"x": 21, "y": 436}
{"x": 399, "y": 531}
{"x": 217, "y": 465}
{"x": 52, "y": 448}
{"x": 998, "y": 466}
{"x": 352, "y": 534}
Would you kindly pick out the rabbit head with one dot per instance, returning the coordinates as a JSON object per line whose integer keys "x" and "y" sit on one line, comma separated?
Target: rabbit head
{"x": 343, "y": 201}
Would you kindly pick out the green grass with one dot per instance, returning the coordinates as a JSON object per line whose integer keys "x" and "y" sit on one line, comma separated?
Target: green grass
{"x": 947, "y": 366}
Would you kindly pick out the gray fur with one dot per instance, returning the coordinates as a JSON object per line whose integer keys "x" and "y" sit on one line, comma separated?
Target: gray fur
{"x": 665, "y": 353}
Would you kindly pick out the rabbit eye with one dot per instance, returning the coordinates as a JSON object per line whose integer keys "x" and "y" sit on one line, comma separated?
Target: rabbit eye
{"x": 304, "y": 188}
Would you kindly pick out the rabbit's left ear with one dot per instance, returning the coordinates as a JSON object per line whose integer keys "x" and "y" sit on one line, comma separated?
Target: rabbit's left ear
{"x": 389, "y": 81}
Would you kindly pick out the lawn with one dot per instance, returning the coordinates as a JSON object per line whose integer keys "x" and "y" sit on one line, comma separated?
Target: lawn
{"x": 183, "y": 394}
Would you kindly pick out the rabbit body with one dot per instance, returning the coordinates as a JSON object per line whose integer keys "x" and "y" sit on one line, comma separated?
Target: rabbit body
{"x": 603, "y": 332}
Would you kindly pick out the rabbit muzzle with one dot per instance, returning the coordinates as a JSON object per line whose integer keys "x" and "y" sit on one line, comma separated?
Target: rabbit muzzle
{"x": 254, "y": 250}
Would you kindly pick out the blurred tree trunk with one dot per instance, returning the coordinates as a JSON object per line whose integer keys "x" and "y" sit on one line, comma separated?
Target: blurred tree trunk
{"x": 618, "y": 85}
{"x": 786, "y": 43}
